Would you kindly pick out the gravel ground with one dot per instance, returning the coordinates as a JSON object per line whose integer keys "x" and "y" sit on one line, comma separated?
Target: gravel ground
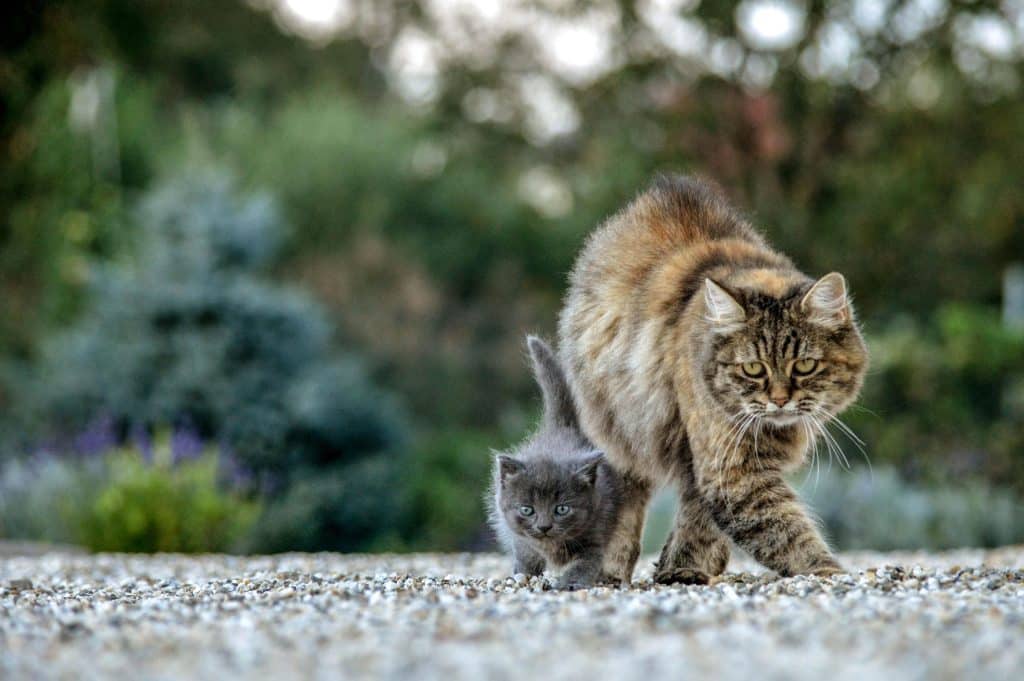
{"x": 908, "y": 616}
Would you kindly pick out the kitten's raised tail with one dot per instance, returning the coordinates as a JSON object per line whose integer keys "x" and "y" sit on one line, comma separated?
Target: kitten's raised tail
{"x": 559, "y": 409}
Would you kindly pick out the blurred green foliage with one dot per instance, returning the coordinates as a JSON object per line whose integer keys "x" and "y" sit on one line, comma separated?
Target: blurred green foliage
{"x": 947, "y": 389}
{"x": 434, "y": 230}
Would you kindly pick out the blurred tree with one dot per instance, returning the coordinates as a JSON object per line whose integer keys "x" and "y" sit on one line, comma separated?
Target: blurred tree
{"x": 187, "y": 334}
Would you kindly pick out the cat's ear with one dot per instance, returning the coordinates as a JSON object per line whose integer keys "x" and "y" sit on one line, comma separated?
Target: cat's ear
{"x": 722, "y": 309}
{"x": 827, "y": 303}
{"x": 559, "y": 409}
{"x": 508, "y": 466}
{"x": 586, "y": 468}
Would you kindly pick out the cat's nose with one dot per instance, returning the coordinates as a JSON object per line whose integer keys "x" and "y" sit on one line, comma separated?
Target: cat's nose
{"x": 544, "y": 528}
{"x": 780, "y": 401}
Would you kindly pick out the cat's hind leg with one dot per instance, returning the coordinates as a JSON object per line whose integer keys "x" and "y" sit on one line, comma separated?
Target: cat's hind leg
{"x": 696, "y": 549}
{"x": 623, "y": 549}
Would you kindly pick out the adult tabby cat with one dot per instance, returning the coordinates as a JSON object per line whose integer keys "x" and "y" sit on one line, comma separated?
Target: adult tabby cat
{"x": 698, "y": 355}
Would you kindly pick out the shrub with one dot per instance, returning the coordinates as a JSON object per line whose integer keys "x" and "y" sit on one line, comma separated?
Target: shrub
{"x": 162, "y": 505}
{"x": 169, "y": 495}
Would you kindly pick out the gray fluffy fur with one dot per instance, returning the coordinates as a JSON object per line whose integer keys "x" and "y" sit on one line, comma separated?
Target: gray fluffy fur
{"x": 572, "y": 493}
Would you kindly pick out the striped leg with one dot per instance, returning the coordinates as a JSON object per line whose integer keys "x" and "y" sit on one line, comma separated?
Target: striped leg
{"x": 696, "y": 549}
{"x": 624, "y": 548}
{"x": 763, "y": 516}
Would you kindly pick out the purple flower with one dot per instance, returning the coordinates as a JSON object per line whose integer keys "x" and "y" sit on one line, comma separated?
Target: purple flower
{"x": 98, "y": 437}
{"x": 232, "y": 472}
{"x": 143, "y": 441}
{"x": 40, "y": 457}
{"x": 185, "y": 444}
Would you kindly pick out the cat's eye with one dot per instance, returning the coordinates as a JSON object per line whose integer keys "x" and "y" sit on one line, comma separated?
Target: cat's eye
{"x": 562, "y": 509}
{"x": 753, "y": 369}
{"x": 802, "y": 367}
{"x": 526, "y": 510}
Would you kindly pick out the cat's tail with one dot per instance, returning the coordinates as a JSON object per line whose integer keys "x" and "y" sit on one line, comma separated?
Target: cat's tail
{"x": 559, "y": 408}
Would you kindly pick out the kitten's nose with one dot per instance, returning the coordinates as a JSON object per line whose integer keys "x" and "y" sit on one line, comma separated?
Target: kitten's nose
{"x": 780, "y": 401}
{"x": 544, "y": 528}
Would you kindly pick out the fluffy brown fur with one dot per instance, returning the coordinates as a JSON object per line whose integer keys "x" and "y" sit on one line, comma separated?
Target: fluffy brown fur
{"x": 698, "y": 355}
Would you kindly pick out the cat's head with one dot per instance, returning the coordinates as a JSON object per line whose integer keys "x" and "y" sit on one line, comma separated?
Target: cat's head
{"x": 781, "y": 358}
{"x": 548, "y": 498}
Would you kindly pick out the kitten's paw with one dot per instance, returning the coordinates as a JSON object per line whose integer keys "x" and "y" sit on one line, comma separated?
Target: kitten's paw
{"x": 571, "y": 585}
{"x": 681, "y": 576}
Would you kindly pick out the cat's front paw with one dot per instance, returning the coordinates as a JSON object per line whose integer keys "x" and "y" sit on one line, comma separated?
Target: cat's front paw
{"x": 830, "y": 570}
{"x": 681, "y": 576}
{"x": 608, "y": 579}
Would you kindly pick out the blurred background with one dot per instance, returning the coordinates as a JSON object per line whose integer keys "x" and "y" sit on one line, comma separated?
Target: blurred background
{"x": 266, "y": 266}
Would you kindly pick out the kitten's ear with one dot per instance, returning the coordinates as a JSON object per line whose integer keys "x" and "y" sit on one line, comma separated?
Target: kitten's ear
{"x": 826, "y": 303}
{"x": 559, "y": 409}
{"x": 586, "y": 468}
{"x": 722, "y": 309}
{"x": 507, "y": 466}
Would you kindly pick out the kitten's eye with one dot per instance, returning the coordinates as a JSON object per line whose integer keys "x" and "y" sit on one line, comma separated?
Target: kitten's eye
{"x": 562, "y": 509}
{"x": 803, "y": 367}
{"x": 526, "y": 510}
{"x": 753, "y": 369}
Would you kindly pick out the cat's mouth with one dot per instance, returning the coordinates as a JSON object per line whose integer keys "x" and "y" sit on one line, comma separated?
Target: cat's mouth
{"x": 781, "y": 418}
{"x": 775, "y": 416}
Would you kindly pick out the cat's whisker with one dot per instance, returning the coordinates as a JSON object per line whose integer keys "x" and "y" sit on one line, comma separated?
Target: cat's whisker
{"x": 846, "y": 429}
{"x": 758, "y": 422}
{"x": 815, "y": 464}
{"x": 718, "y": 442}
{"x": 852, "y": 436}
{"x": 732, "y": 447}
{"x": 862, "y": 408}
{"x": 816, "y": 424}
{"x": 725, "y": 444}
{"x": 833, "y": 445}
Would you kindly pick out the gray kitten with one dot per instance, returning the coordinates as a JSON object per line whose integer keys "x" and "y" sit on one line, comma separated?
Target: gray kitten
{"x": 554, "y": 498}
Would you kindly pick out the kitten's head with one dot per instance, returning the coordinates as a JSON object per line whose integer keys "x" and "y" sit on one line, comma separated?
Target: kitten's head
{"x": 548, "y": 498}
{"x": 782, "y": 357}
